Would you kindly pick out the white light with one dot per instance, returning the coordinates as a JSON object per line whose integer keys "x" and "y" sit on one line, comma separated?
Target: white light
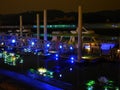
{"x": 42, "y": 70}
{"x": 60, "y": 46}
{"x": 118, "y": 50}
{"x": 72, "y": 61}
{"x": 2, "y": 43}
{"x": 71, "y": 48}
{"x": 60, "y": 75}
{"x": 56, "y": 58}
{"x": 117, "y": 88}
{"x": 90, "y": 88}
{"x": 106, "y": 89}
{"x": 71, "y": 69}
{"x": 56, "y": 55}
{"x": 72, "y": 58}
{"x": 13, "y": 41}
{"x": 48, "y": 45}
{"x": 12, "y": 54}
{"x": 33, "y": 43}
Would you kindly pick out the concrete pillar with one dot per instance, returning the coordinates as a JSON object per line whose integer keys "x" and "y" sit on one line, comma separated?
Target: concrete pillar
{"x": 79, "y": 33}
{"x": 38, "y": 27}
{"x": 45, "y": 32}
{"x": 45, "y": 25}
{"x": 21, "y": 27}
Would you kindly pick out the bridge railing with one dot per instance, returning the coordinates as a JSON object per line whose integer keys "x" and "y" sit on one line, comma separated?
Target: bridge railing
{"x": 12, "y": 41}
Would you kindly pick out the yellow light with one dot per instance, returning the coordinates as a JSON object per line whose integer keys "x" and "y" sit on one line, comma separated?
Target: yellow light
{"x": 118, "y": 50}
{"x": 13, "y": 58}
{"x": 42, "y": 70}
{"x": 92, "y": 44}
{"x": 88, "y": 49}
{"x": 85, "y": 57}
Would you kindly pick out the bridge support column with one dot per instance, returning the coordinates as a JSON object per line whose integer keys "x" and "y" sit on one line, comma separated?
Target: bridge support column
{"x": 45, "y": 31}
{"x": 79, "y": 33}
{"x": 38, "y": 27}
{"x": 21, "y": 27}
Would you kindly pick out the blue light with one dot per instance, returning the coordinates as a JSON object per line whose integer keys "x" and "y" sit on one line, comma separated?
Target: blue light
{"x": 48, "y": 45}
{"x": 72, "y": 61}
{"x": 56, "y": 55}
{"x": 107, "y": 46}
{"x": 72, "y": 58}
{"x": 13, "y": 41}
{"x": 71, "y": 48}
{"x": 87, "y": 47}
{"x": 32, "y": 43}
{"x": 60, "y": 46}
{"x": 56, "y": 58}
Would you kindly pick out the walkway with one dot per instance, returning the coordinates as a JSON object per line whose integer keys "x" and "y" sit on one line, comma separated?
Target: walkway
{"x": 28, "y": 81}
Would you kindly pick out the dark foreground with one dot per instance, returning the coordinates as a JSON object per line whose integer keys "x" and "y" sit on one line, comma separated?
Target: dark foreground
{"x": 75, "y": 74}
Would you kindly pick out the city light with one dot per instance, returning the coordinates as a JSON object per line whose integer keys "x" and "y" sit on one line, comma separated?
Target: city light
{"x": 60, "y": 75}
{"x": 11, "y": 58}
{"x": 32, "y": 43}
{"x": 71, "y": 48}
{"x": 56, "y": 55}
{"x": 13, "y": 40}
{"x": 71, "y": 69}
{"x": 107, "y": 46}
{"x": 48, "y": 45}
{"x": 46, "y": 73}
{"x": 60, "y": 46}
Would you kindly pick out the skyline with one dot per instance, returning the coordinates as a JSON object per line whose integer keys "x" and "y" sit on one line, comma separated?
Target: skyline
{"x": 14, "y": 6}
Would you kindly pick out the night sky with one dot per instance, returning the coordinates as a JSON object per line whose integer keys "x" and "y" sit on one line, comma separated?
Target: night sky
{"x": 17, "y": 6}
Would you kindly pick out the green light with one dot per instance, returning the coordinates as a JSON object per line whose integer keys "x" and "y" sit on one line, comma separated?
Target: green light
{"x": 51, "y": 76}
{"x": 90, "y": 83}
{"x": 11, "y": 58}
{"x": 110, "y": 81}
{"x": 32, "y": 70}
{"x": 51, "y": 73}
{"x": 21, "y": 61}
{"x": 45, "y": 72}
{"x": 57, "y": 26}
{"x": 117, "y": 88}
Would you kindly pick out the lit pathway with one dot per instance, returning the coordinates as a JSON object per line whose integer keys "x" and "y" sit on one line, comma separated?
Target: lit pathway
{"x": 29, "y": 81}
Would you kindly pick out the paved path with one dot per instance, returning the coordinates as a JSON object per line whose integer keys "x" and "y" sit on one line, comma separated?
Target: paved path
{"x": 29, "y": 81}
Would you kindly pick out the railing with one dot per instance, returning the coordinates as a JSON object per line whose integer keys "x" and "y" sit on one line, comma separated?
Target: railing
{"x": 32, "y": 44}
